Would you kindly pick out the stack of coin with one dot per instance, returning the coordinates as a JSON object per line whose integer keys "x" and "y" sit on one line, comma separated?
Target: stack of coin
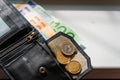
{"x": 65, "y": 51}
{"x": 65, "y": 57}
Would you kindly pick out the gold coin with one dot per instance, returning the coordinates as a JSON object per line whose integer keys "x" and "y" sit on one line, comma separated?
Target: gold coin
{"x": 74, "y": 67}
{"x": 67, "y": 49}
{"x": 62, "y": 58}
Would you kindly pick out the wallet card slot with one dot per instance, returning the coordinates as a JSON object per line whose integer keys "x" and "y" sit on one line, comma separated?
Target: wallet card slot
{"x": 19, "y": 46}
{"x": 15, "y": 45}
{"x": 15, "y": 21}
{"x": 15, "y": 39}
{"x": 16, "y": 53}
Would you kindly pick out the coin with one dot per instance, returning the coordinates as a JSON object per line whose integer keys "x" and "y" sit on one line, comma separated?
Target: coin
{"x": 62, "y": 58}
{"x": 74, "y": 67}
{"x": 67, "y": 49}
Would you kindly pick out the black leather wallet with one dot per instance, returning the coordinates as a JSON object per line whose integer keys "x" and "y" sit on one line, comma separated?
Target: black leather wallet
{"x": 24, "y": 54}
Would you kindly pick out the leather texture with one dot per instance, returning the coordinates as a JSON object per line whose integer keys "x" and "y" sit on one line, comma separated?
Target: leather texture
{"x": 22, "y": 59}
{"x": 32, "y": 57}
{"x": 12, "y": 18}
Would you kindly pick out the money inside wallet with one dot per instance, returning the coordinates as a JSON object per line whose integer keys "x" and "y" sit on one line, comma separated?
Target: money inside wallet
{"x": 26, "y": 52}
{"x": 69, "y": 55}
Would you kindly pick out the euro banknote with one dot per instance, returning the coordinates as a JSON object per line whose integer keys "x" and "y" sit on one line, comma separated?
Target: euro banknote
{"x": 47, "y": 24}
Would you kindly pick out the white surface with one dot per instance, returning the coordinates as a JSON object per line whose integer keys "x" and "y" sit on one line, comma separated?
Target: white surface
{"x": 99, "y": 30}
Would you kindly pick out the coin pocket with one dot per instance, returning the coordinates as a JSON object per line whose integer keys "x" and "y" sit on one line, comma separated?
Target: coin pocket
{"x": 70, "y": 55}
